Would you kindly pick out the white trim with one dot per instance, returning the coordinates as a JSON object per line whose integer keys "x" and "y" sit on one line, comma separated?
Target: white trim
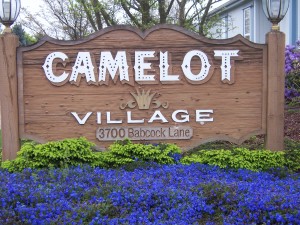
{"x": 251, "y": 8}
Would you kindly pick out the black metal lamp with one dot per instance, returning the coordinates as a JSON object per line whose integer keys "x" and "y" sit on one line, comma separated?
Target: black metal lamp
{"x": 9, "y": 11}
{"x": 275, "y": 10}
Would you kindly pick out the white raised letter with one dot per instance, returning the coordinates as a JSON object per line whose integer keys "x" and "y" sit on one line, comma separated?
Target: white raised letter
{"x": 99, "y": 118}
{"x": 130, "y": 120}
{"x": 85, "y": 118}
{"x": 184, "y": 118}
{"x": 84, "y": 66}
{"x": 112, "y": 65}
{"x": 140, "y": 66}
{"x": 200, "y": 117}
{"x": 109, "y": 121}
{"x": 48, "y": 68}
{"x": 157, "y": 115}
{"x": 226, "y": 63}
{"x": 164, "y": 66}
{"x": 186, "y": 66}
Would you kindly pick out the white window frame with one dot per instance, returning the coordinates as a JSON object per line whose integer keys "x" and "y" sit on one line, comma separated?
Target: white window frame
{"x": 247, "y": 31}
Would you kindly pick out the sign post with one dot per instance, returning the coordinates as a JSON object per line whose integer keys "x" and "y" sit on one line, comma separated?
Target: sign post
{"x": 9, "y": 96}
{"x": 276, "y": 78}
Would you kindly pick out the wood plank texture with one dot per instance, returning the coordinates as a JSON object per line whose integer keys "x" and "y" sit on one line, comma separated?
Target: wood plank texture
{"x": 9, "y": 96}
{"x": 276, "y": 78}
{"x": 239, "y": 108}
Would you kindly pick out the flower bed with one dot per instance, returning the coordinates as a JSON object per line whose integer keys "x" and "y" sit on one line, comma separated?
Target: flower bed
{"x": 157, "y": 194}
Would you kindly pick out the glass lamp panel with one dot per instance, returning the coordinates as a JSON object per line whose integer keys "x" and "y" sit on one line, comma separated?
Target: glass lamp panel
{"x": 5, "y": 10}
{"x": 9, "y": 10}
{"x": 275, "y": 6}
{"x": 16, "y": 6}
{"x": 284, "y": 8}
{"x": 265, "y": 9}
{"x": 275, "y": 10}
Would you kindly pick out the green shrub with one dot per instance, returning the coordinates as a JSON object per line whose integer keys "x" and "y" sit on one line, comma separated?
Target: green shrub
{"x": 292, "y": 154}
{"x": 291, "y": 144}
{"x": 125, "y": 152}
{"x": 53, "y": 154}
{"x": 238, "y": 158}
{"x": 293, "y": 159}
{"x": 73, "y": 152}
{"x": 253, "y": 143}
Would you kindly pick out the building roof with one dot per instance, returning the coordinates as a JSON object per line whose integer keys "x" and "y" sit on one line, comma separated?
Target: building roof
{"x": 227, "y": 6}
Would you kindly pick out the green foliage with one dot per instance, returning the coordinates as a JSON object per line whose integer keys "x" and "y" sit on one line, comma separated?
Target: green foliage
{"x": 292, "y": 93}
{"x": 223, "y": 197}
{"x": 295, "y": 102}
{"x": 130, "y": 156}
{"x": 259, "y": 160}
{"x": 292, "y": 154}
{"x": 53, "y": 154}
{"x": 24, "y": 38}
{"x": 291, "y": 144}
{"x": 254, "y": 143}
{"x": 139, "y": 165}
{"x": 293, "y": 159}
{"x": 73, "y": 152}
{"x": 124, "y": 152}
{"x": 292, "y": 80}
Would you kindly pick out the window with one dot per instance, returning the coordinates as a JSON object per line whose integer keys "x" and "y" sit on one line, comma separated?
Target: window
{"x": 247, "y": 23}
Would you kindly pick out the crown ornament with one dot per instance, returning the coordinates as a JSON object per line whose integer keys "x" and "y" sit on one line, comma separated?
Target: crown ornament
{"x": 143, "y": 100}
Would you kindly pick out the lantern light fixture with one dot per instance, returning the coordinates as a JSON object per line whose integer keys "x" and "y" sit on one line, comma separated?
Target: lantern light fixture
{"x": 9, "y": 11}
{"x": 275, "y": 11}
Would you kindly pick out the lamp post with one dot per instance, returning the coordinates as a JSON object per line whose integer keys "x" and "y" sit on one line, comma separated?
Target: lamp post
{"x": 9, "y": 11}
{"x": 275, "y": 11}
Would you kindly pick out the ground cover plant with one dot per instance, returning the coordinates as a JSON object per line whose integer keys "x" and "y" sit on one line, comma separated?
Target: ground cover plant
{"x": 161, "y": 194}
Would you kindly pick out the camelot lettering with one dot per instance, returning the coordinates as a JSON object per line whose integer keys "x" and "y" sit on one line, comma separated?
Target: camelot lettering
{"x": 120, "y": 66}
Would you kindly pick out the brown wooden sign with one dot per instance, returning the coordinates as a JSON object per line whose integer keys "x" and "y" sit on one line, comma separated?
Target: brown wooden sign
{"x": 164, "y": 85}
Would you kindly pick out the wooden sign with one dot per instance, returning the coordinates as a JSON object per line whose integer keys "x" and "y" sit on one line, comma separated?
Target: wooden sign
{"x": 164, "y": 85}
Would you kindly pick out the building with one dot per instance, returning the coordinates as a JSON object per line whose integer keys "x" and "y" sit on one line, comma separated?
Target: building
{"x": 246, "y": 17}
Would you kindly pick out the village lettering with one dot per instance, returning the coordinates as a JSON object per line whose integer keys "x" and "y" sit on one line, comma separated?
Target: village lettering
{"x": 178, "y": 116}
{"x": 119, "y": 65}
